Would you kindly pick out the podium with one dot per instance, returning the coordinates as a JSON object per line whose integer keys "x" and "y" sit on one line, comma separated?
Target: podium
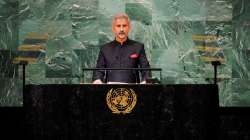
{"x": 173, "y": 112}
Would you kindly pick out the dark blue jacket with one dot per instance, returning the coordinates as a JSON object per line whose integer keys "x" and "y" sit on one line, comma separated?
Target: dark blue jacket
{"x": 129, "y": 55}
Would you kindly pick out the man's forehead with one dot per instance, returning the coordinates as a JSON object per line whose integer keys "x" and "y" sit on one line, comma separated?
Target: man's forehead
{"x": 121, "y": 20}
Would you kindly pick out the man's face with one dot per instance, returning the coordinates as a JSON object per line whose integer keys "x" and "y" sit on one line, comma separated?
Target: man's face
{"x": 121, "y": 28}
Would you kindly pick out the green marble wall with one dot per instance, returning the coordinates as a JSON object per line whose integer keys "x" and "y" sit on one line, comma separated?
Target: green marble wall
{"x": 76, "y": 28}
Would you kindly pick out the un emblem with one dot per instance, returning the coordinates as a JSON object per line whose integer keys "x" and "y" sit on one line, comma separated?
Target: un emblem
{"x": 121, "y": 100}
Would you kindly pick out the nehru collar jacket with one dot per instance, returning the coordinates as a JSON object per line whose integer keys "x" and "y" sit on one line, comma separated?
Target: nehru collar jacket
{"x": 131, "y": 54}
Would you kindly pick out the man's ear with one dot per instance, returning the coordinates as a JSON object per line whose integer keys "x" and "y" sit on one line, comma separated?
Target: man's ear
{"x": 113, "y": 28}
{"x": 130, "y": 26}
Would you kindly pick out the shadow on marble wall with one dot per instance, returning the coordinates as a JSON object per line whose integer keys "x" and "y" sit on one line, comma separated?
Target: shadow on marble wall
{"x": 11, "y": 84}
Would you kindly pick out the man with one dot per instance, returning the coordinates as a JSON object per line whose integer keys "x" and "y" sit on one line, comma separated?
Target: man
{"x": 121, "y": 53}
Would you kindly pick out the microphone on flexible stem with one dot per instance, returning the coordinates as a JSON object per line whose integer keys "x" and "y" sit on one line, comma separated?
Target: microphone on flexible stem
{"x": 136, "y": 74}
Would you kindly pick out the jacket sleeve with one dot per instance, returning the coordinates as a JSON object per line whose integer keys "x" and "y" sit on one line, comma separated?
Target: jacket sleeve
{"x": 101, "y": 63}
{"x": 143, "y": 62}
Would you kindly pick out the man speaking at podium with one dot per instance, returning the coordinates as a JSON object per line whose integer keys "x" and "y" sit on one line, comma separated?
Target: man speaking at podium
{"x": 121, "y": 53}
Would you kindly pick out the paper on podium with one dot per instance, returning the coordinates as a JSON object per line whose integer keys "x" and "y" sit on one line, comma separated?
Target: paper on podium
{"x": 116, "y": 83}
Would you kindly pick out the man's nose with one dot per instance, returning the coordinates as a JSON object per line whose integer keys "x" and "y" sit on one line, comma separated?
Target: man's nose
{"x": 121, "y": 28}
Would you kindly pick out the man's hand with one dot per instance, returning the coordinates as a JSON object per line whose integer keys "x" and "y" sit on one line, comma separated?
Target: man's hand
{"x": 98, "y": 81}
{"x": 143, "y": 82}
